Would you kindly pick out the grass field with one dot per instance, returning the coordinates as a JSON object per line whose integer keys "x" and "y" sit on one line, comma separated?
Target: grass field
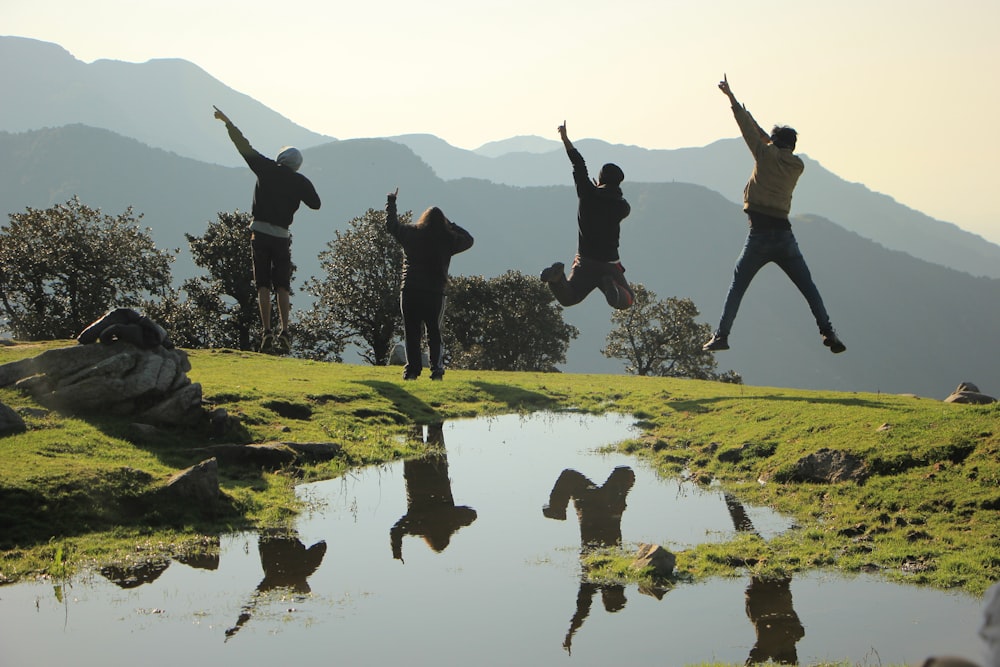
{"x": 928, "y": 512}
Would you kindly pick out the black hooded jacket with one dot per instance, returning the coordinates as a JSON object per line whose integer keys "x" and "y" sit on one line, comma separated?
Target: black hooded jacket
{"x": 599, "y": 215}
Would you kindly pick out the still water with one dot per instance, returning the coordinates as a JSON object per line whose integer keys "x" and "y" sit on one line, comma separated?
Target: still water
{"x": 471, "y": 556}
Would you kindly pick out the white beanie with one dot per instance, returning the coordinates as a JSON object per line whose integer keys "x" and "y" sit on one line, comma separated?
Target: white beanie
{"x": 291, "y": 157}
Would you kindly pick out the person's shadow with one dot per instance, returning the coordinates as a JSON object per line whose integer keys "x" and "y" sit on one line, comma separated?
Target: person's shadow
{"x": 287, "y": 564}
{"x": 599, "y": 510}
{"x": 431, "y": 512}
{"x": 768, "y": 606}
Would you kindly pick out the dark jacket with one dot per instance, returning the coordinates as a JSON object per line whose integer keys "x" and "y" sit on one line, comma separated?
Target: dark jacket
{"x": 427, "y": 252}
{"x": 279, "y": 190}
{"x": 599, "y": 214}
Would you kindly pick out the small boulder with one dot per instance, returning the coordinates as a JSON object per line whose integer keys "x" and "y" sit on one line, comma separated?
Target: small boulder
{"x": 655, "y": 556}
{"x": 830, "y": 466}
{"x": 195, "y": 488}
{"x": 969, "y": 393}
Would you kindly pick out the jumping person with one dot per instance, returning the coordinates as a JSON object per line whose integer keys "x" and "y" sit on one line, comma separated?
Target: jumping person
{"x": 767, "y": 200}
{"x": 276, "y": 197}
{"x": 600, "y": 212}
{"x": 428, "y": 246}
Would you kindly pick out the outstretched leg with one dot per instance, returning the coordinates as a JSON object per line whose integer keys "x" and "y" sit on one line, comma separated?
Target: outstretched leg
{"x": 572, "y": 290}
{"x": 753, "y": 257}
{"x": 794, "y": 265}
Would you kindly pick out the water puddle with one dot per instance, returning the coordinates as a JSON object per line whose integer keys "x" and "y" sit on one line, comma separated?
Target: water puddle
{"x": 471, "y": 555}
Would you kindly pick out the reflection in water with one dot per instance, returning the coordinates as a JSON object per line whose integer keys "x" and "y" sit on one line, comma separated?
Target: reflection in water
{"x": 287, "y": 565}
{"x": 430, "y": 507}
{"x": 768, "y": 606}
{"x": 599, "y": 510}
{"x": 132, "y": 576}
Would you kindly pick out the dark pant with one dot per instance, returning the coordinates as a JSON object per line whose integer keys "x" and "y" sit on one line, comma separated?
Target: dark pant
{"x": 422, "y": 308}
{"x": 780, "y": 247}
{"x": 586, "y": 275}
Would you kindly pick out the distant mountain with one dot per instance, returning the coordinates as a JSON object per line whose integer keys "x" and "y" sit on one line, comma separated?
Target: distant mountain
{"x": 910, "y": 325}
{"x": 163, "y": 103}
{"x": 167, "y": 104}
{"x": 724, "y": 166}
{"x": 521, "y": 144}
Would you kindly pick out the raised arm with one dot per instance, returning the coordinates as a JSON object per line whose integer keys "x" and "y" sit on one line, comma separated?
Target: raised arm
{"x": 391, "y": 218}
{"x": 752, "y": 132}
{"x": 724, "y": 87}
{"x": 565, "y": 139}
{"x": 241, "y": 143}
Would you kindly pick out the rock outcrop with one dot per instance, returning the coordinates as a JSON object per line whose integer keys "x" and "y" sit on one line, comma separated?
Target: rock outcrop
{"x": 116, "y": 378}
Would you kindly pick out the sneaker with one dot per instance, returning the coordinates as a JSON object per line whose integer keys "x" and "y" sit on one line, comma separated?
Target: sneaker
{"x": 267, "y": 343}
{"x": 716, "y": 343}
{"x": 437, "y": 375}
{"x": 831, "y": 340}
{"x": 553, "y": 273}
{"x": 282, "y": 343}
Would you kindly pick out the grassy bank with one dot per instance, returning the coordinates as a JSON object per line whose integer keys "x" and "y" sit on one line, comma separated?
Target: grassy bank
{"x": 927, "y": 514}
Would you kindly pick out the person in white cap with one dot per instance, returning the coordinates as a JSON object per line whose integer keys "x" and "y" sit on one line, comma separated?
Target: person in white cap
{"x": 276, "y": 197}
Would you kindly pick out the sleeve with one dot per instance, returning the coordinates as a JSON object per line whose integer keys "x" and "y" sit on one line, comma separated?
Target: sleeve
{"x": 391, "y": 218}
{"x": 309, "y": 196}
{"x": 462, "y": 239}
{"x": 752, "y": 133}
{"x": 241, "y": 142}
{"x": 580, "y": 175}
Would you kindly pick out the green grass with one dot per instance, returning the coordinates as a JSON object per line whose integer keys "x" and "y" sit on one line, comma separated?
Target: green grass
{"x": 927, "y": 515}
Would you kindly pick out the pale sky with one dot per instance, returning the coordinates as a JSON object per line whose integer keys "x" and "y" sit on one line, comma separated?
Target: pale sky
{"x": 897, "y": 94}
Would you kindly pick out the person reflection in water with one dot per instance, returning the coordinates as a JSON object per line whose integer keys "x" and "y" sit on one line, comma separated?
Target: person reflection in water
{"x": 287, "y": 564}
{"x": 599, "y": 510}
{"x": 768, "y": 606}
{"x": 431, "y": 512}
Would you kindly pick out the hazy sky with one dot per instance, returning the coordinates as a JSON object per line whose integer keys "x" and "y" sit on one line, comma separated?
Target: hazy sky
{"x": 900, "y": 95}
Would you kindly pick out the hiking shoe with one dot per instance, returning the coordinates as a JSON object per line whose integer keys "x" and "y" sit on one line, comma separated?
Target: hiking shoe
{"x": 553, "y": 273}
{"x": 716, "y": 343}
{"x": 831, "y": 340}
{"x": 267, "y": 343}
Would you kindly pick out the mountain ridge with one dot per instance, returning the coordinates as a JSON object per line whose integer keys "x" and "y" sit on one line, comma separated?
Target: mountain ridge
{"x": 911, "y": 326}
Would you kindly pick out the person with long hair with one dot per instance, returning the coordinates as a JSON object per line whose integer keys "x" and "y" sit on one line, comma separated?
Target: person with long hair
{"x": 428, "y": 245}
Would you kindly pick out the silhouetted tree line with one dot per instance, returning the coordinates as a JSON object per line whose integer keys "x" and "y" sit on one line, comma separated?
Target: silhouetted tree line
{"x": 63, "y": 267}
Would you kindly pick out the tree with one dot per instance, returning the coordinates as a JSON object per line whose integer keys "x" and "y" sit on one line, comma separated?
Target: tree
{"x": 221, "y": 308}
{"x": 63, "y": 267}
{"x": 358, "y": 298}
{"x": 509, "y": 323}
{"x": 660, "y": 337}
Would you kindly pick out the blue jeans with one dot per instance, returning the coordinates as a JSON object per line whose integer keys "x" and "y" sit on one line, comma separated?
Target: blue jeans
{"x": 780, "y": 247}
